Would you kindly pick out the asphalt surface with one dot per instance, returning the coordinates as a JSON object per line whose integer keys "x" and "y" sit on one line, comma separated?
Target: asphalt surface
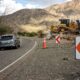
{"x": 56, "y": 62}
{"x": 7, "y": 56}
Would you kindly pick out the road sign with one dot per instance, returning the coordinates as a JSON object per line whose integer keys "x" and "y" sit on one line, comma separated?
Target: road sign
{"x": 58, "y": 39}
{"x": 78, "y": 47}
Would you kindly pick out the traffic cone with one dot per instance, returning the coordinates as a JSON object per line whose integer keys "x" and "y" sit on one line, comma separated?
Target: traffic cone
{"x": 44, "y": 43}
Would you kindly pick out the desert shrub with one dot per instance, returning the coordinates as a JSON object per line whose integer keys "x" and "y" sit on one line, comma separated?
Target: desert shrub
{"x": 21, "y": 33}
{"x": 32, "y": 34}
{"x": 4, "y": 29}
{"x": 40, "y": 34}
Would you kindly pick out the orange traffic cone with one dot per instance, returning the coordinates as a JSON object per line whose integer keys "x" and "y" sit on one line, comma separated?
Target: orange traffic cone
{"x": 44, "y": 43}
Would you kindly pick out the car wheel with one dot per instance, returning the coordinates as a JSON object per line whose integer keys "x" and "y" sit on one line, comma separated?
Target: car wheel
{"x": 18, "y": 45}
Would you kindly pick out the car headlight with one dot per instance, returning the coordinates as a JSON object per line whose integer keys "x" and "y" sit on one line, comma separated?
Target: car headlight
{"x": 11, "y": 41}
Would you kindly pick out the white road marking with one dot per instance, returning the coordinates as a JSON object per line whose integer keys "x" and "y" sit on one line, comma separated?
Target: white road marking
{"x": 18, "y": 58}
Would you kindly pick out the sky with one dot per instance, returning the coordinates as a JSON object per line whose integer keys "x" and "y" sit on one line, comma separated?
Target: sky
{"x": 10, "y": 6}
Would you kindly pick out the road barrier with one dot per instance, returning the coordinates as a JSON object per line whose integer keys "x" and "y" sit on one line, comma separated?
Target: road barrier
{"x": 57, "y": 39}
{"x": 62, "y": 44}
{"x": 78, "y": 47}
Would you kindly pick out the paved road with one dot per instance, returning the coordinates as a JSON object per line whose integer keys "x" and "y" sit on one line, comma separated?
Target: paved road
{"x": 54, "y": 63}
{"x": 10, "y": 55}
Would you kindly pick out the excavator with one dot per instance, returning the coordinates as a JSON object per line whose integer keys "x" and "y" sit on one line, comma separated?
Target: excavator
{"x": 63, "y": 28}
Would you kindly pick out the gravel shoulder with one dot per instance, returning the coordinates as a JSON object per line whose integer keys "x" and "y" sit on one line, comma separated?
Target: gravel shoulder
{"x": 57, "y": 62}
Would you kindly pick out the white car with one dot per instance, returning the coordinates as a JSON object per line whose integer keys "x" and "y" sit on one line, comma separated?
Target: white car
{"x": 9, "y": 40}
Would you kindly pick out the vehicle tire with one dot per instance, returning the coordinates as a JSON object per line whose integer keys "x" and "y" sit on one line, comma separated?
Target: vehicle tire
{"x": 16, "y": 46}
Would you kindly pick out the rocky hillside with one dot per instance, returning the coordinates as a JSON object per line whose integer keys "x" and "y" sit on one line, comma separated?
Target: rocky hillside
{"x": 69, "y": 9}
{"x": 28, "y": 18}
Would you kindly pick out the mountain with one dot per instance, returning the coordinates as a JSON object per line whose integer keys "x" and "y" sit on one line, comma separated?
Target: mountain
{"x": 69, "y": 9}
{"x": 29, "y": 17}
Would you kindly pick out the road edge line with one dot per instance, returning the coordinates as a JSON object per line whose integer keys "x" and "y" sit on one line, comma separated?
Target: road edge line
{"x": 18, "y": 58}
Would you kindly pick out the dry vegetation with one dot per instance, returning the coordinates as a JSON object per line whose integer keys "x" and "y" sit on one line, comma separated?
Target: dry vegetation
{"x": 32, "y": 28}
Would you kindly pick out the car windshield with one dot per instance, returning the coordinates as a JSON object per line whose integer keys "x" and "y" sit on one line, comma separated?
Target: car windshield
{"x": 6, "y": 37}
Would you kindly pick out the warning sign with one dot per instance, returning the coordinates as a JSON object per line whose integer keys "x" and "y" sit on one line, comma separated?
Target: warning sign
{"x": 58, "y": 39}
{"x": 78, "y": 47}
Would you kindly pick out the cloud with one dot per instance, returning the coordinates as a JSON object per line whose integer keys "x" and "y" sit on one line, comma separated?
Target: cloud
{"x": 30, "y": 6}
{"x": 9, "y": 6}
{"x": 46, "y": 3}
{"x": 68, "y": 0}
{"x": 43, "y": 3}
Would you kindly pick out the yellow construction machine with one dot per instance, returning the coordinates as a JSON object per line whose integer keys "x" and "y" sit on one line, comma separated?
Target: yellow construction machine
{"x": 63, "y": 28}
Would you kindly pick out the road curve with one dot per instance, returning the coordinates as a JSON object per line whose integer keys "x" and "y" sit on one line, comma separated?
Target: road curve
{"x": 8, "y": 57}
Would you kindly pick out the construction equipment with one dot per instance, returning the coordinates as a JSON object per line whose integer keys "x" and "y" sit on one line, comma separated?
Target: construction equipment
{"x": 73, "y": 26}
{"x": 63, "y": 28}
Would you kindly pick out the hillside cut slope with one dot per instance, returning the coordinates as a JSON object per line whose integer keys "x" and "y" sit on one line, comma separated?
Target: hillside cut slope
{"x": 69, "y": 9}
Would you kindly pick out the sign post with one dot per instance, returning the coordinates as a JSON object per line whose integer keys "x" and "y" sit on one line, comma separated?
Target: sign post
{"x": 78, "y": 47}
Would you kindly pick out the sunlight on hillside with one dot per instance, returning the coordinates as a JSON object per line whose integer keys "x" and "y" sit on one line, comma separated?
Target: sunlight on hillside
{"x": 32, "y": 28}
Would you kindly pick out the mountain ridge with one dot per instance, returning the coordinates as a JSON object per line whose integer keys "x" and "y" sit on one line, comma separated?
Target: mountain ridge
{"x": 43, "y": 17}
{"x": 66, "y": 10}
